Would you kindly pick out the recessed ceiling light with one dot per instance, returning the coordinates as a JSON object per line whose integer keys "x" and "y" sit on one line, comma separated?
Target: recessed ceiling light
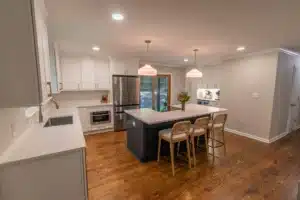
{"x": 241, "y": 48}
{"x": 96, "y": 48}
{"x": 185, "y": 60}
{"x": 117, "y": 16}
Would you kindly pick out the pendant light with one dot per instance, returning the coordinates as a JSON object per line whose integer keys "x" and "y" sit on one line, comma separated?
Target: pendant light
{"x": 194, "y": 73}
{"x": 147, "y": 70}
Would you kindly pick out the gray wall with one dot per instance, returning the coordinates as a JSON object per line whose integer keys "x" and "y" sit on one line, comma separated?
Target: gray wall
{"x": 283, "y": 92}
{"x": 238, "y": 79}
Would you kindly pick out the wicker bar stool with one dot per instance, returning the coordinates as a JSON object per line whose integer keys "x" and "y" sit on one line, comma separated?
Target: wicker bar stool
{"x": 199, "y": 128}
{"x": 179, "y": 132}
{"x": 217, "y": 127}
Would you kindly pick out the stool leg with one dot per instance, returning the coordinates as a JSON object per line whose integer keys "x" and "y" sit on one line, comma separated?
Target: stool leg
{"x": 158, "y": 151}
{"x": 188, "y": 152}
{"x": 194, "y": 153}
{"x": 224, "y": 142}
{"x": 172, "y": 157}
{"x": 178, "y": 148}
{"x": 206, "y": 145}
{"x": 213, "y": 142}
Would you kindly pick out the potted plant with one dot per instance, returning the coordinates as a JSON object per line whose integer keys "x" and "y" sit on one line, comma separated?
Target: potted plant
{"x": 183, "y": 97}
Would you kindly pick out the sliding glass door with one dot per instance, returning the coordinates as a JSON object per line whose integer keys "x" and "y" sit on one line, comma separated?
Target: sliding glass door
{"x": 155, "y": 92}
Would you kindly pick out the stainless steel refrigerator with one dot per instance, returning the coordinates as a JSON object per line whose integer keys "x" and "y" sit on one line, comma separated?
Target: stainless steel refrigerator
{"x": 126, "y": 95}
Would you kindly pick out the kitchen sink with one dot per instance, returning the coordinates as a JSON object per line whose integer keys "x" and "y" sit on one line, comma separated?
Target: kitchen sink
{"x": 58, "y": 121}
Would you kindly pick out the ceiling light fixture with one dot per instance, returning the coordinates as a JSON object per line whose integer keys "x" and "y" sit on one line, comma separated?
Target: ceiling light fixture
{"x": 96, "y": 48}
{"x": 241, "y": 48}
{"x": 147, "y": 70}
{"x": 194, "y": 73}
{"x": 117, "y": 16}
{"x": 186, "y": 60}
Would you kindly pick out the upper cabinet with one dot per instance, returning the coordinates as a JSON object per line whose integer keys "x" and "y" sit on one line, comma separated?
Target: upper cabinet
{"x": 85, "y": 73}
{"x": 124, "y": 66}
{"x": 25, "y": 77}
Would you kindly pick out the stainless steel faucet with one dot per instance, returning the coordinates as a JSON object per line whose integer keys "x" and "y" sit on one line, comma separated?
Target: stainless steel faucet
{"x": 55, "y": 103}
{"x": 41, "y": 117}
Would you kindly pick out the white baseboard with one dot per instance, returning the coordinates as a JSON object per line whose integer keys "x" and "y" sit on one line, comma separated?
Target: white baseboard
{"x": 251, "y": 136}
{"x": 248, "y": 135}
{"x": 277, "y": 137}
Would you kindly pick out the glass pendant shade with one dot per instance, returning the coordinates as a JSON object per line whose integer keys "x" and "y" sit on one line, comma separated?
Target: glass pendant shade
{"x": 147, "y": 70}
{"x": 194, "y": 73}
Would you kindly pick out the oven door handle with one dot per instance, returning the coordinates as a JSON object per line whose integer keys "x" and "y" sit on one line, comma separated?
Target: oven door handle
{"x": 100, "y": 115}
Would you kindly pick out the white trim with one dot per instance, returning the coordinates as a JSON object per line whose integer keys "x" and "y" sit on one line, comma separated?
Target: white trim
{"x": 289, "y": 52}
{"x": 277, "y": 137}
{"x": 248, "y": 135}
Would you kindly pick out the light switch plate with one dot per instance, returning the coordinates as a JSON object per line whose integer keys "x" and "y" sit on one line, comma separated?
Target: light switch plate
{"x": 255, "y": 95}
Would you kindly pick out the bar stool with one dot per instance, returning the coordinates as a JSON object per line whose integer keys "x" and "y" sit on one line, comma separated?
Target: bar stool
{"x": 199, "y": 128}
{"x": 179, "y": 133}
{"x": 217, "y": 127}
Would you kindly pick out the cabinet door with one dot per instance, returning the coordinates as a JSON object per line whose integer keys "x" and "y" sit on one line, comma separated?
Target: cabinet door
{"x": 87, "y": 74}
{"x": 102, "y": 75}
{"x": 58, "y": 69}
{"x": 60, "y": 177}
{"x": 43, "y": 54}
{"x": 85, "y": 119}
{"x": 71, "y": 74}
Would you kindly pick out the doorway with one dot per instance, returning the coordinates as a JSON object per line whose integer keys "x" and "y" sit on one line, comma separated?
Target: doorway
{"x": 294, "y": 108}
{"x": 155, "y": 92}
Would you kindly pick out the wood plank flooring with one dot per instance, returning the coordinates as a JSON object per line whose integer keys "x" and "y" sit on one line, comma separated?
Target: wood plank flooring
{"x": 250, "y": 170}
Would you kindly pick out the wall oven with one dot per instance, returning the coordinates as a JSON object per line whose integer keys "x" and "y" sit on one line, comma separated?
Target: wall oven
{"x": 100, "y": 117}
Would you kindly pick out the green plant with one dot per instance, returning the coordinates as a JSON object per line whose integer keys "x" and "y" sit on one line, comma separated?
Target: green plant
{"x": 183, "y": 97}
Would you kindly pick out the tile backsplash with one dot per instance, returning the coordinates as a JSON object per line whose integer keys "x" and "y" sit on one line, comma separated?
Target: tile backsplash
{"x": 14, "y": 122}
{"x": 81, "y": 95}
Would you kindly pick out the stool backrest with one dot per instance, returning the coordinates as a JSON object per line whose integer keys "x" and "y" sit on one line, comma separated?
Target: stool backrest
{"x": 202, "y": 122}
{"x": 219, "y": 120}
{"x": 181, "y": 127}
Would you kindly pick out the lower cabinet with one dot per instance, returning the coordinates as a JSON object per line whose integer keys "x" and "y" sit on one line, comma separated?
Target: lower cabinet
{"x": 85, "y": 119}
{"x": 61, "y": 177}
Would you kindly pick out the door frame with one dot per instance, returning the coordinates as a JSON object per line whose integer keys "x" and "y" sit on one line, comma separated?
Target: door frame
{"x": 169, "y": 76}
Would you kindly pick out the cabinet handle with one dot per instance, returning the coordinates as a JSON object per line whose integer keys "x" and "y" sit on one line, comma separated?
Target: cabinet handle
{"x": 50, "y": 89}
{"x": 61, "y": 85}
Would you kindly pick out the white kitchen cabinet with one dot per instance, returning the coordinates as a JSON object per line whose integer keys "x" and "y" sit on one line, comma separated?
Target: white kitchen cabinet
{"x": 56, "y": 81}
{"x": 60, "y": 176}
{"x": 85, "y": 74}
{"x": 124, "y": 66}
{"x": 85, "y": 119}
{"x": 102, "y": 75}
{"x": 71, "y": 74}
{"x": 24, "y": 54}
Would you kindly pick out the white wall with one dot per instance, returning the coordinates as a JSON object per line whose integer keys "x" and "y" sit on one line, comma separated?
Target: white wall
{"x": 238, "y": 79}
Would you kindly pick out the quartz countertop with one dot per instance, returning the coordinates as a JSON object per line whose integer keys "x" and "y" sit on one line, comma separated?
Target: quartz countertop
{"x": 38, "y": 141}
{"x": 150, "y": 116}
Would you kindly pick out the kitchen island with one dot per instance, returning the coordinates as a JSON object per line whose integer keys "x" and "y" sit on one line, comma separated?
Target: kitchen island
{"x": 143, "y": 125}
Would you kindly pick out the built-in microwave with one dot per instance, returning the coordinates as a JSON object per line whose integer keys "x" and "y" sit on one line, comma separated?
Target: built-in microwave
{"x": 100, "y": 117}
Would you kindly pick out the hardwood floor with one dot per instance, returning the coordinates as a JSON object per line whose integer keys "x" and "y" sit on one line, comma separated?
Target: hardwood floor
{"x": 250, "y": 170}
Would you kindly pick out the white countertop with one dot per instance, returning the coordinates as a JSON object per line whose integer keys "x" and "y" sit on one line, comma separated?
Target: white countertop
{"x": 150, "y": 116}
{"x": 39, "y": 141}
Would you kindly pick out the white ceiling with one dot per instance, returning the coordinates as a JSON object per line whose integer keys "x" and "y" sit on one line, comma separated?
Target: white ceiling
{"x": 175, "y": 27}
